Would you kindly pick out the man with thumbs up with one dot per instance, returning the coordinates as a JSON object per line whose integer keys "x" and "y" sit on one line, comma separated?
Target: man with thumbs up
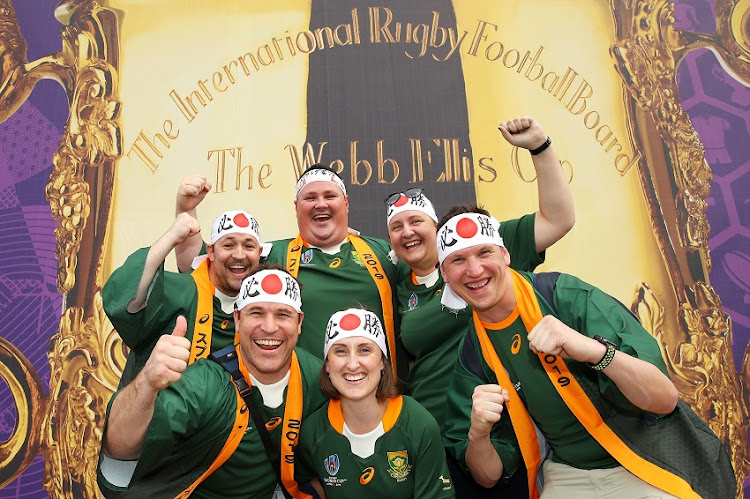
{"x": 142, "y": 300}
{"x": 205, "y": 433}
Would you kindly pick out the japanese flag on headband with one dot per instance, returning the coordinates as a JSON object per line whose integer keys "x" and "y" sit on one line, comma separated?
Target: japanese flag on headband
{"x": 460, "y": 232}
{"x": 234, "y": 222}
{"x": 354, "y": 322}
{"x": 272, "y": 285}
{"x": 416, "y": 203}
{"x": 319, "y": 175}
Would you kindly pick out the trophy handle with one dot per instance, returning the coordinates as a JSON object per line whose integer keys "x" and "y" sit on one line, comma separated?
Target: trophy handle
{"x": 28, "y": 395}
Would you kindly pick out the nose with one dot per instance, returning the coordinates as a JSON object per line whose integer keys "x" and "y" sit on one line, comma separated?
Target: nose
{"x": 352, "y": 362}
{"x": 269, "y": 324}
{"x": 238, "y": 252}
{"x": 407, "y": 230}
{"x": 473, "y": 267}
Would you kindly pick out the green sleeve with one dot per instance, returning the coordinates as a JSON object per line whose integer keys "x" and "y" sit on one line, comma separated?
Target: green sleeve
{"x": 191, "y": 422}
{"x": 458, "y": 419}
{"x": 431, "y": 476}
{"x": 141, "y": 329}
{"x": 591, "y": 311}
{"x": 518, "y": 237}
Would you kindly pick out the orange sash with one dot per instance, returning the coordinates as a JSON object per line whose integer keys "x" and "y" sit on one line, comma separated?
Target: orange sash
{"x": 576, "y": 400}
{"x": 233, "y": 441}
{"x": 392, "y": 412}
{"x": 294, "y": 250}
{"x": 204, "y": 314}
{"x": 291, "y": 425}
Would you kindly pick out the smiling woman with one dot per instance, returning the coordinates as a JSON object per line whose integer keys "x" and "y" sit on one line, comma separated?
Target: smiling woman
{"x": 368, "y": 440}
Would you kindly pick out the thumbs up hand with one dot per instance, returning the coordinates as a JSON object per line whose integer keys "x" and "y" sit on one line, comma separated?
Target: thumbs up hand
{"x": 169, "y": 358}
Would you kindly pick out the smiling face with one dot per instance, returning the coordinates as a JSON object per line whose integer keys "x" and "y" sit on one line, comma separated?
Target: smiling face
{"x": 479, "y": 274}
{"x": 412, "y": 235}
{"x": 268, "y": 333}
{"x": 322, "y": 214}
{"x": 232, "y": 259}
{"x": 354, "y": 365}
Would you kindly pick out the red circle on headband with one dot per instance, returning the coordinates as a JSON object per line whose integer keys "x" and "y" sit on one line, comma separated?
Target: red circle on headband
{"x": 240, "y": 220}
{"x": 466, "y": 228}
{"x": 402, "y": 200}
{"x": 349, "y": 322}
{"x": 271, "y": 284}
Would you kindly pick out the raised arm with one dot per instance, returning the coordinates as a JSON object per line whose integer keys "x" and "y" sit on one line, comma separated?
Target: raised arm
{"x": 556, "y": 215}
{"x": 190, "y": 193}
{"x": 183, "y": 227}
{"x": 133, "y": 407}
{"x": 641, "y": 382}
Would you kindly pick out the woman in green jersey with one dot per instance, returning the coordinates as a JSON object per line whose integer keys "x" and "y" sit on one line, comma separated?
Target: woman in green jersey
{"x": 431, "y": 325}
{"x": 369, "y": 441}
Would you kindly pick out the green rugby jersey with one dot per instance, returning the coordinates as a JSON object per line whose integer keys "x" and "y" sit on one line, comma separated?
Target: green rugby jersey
{"x": 431, "y": 334}
{"x": 191, "y": 423}
{"x": 408, "y": 461}
{"x": 335, "y": 282}
{"x": 171, "y": 295}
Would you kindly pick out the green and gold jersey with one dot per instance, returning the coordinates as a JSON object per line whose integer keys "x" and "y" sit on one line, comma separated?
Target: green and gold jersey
{"x": 587, "y": 310}
{"x": 431, "y": 334}
{"x": 408, "y": 461}
{"x": 191, "y": 423}
{"x": 171, "y": 295}
{"x": 335, "y": 282}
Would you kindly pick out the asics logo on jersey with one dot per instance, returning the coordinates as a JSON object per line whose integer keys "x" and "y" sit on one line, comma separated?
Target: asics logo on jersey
{"x": 516, "y": 344}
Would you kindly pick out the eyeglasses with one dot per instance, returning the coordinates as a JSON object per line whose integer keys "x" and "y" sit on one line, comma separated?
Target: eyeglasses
{"x": 412, "y": 193}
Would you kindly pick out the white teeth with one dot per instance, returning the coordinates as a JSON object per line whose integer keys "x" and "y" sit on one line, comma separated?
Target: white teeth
{"x": 412, "y": 244}
{"x": 269, "y": 343}
{"x": 321, "y": 217}
{"x": 354, "y": 377}
{"x": 478, "y": 286}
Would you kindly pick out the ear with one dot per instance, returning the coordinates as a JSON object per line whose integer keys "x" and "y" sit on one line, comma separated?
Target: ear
{"x": 236, "y": 314}
{"x": 506, "y": 255}
{"x": 346, "y": 200}
{"x": 325, "y": 364}
{"x": 442, "y": 273}
{"x": 210, "y": 252}
{"x": 299, "y": 325}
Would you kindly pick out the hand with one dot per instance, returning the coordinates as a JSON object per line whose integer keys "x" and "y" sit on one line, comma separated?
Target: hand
{"x": 184, "y": 226}
{"x": 487, "y": 406}
{"x": 191, "y": 192}
{"x": 551, "y": 336}
{"x": 169, "y": 358}
{"x": 523, "y": 131}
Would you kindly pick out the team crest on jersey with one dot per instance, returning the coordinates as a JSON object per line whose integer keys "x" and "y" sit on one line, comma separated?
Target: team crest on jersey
{"x": 357, "y": 259}
{"x": 307, "y": 256}
{"x": 332, "y": 465}
{"x": 399, "y": 465}
{"x": 413, "y": 301}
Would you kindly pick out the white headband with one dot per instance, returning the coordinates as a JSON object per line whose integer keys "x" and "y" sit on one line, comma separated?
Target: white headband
{"x": 415, "y": 203}
{"x": 460, "y": 232}
{"x": 354, "y": 322}
{"x": 274, "y": 286}
{"x": 234, "y": 222}
{"x": 319, "y": 175}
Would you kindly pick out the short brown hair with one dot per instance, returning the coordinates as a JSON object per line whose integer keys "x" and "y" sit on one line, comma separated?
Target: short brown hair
{"x": 386, "y": 386}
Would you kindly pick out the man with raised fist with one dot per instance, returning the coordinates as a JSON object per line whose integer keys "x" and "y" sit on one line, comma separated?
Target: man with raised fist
{"x": 229, "y": 427}
{"x": 142, "y": 300}
{"x": 550, "y": 355}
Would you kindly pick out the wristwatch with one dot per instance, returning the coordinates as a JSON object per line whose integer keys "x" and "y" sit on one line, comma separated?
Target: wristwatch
{"x": 608, "y": 355}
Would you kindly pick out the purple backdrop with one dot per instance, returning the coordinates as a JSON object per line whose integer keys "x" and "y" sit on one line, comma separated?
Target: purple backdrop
{"x": 29, "y": 302}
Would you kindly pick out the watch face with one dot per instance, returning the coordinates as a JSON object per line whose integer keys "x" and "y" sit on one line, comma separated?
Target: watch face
{"x": 604, "y": 341}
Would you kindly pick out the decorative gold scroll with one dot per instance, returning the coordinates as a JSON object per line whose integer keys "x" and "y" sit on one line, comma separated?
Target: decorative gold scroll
{"x": 86, "y": 356}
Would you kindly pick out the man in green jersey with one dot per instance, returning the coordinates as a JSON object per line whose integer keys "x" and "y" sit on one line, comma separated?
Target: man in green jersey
{"x": 579, "y": 369}
{"x": 142, "y": 300}
{"x": 336, "y": 269}
{"x": 181, "y": 430}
